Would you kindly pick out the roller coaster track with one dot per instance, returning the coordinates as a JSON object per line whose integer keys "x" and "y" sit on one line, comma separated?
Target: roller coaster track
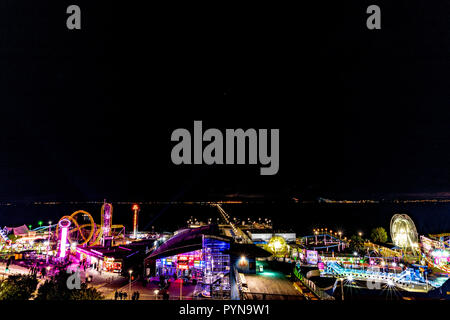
{"x": 99, "y": 233}
{"x": 398, "y": 279}
{"x": 431, "y": 263}
{"x": 385, "y": 252}
{"x": 78, "y": 227}
{"x": 439, "y": 235}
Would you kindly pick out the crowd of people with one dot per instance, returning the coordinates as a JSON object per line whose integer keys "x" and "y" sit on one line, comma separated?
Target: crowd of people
{"x": 121, "y": 295}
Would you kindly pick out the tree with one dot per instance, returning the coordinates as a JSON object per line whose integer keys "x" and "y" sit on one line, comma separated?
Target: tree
{"x": 379, "y": 235}
{"x": 57, "y": 289}
{"x": 18, "y": 287}
{"x": 86, "y": 293}
{"x": 356, "y": 243}
{"x": 54, "y": 289}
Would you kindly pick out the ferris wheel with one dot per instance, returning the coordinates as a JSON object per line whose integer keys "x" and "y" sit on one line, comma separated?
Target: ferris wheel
{"x": 404, "y": 232}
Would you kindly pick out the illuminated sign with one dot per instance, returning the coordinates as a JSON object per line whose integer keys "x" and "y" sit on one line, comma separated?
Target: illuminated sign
{"x": 311, "y": 257}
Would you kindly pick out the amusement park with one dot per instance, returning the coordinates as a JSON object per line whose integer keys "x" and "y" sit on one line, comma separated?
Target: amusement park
{"x": 228, "y": 258}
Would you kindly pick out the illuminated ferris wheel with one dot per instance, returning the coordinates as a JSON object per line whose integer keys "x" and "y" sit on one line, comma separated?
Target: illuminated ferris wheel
{"x": 404, "y": 233}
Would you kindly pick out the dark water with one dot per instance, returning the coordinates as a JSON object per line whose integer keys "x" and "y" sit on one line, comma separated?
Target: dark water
{"x": 301, "y": 218}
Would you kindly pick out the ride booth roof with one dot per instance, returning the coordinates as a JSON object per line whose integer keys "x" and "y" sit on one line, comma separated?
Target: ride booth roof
{"x": 186, "y": 242}
{"x": 114, "y": 259}
{"x": 243, "y": 256}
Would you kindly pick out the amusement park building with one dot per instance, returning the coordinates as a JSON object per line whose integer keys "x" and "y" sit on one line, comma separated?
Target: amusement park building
{"x": 202, "y": 251}
{"x": 116, "y": 258}
{"x": 264, "y": 237}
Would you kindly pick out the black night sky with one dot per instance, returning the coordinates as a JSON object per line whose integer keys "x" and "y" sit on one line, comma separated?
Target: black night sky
{"x": 87, "y": 115}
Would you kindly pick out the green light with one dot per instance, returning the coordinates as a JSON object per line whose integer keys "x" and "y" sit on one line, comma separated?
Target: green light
{"x": 271, "y": 274}
{"x": 29, "y": 227}
{"x": 40, "y": 223}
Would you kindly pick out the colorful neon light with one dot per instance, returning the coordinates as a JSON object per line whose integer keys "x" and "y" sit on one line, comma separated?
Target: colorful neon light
{"x": 135, "y": 208}
{"x": 3, "y": 235}
{"x": 64, "y": 225}
{"x": 106, "y": 219}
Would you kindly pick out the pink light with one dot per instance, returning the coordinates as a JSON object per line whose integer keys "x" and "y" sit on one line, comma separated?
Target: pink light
{"x": 107, "y": 215}
{"x": 97, "y": 252}
{"x": 62, "y": 248}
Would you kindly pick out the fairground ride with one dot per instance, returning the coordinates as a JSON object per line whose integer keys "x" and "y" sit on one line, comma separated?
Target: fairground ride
{"x": 84, "y": 231}
{"x": 404, "y": 234}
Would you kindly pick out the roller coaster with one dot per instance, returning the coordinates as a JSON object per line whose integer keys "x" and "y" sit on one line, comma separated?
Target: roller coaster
{"x": 444, "y": 238}
{"x": 408, "y": 280}
{"x": 324, "y": 239}
{"x": 84, "y": 231}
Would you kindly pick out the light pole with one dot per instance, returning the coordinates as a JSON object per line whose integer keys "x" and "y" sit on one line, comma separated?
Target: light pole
{"x": 181, "y": 288}
{"x": 49, "y": 233}
{"x": 129, "y": 288}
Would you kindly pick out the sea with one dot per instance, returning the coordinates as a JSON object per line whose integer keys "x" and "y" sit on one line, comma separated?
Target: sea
{"x": 302, "y": 218}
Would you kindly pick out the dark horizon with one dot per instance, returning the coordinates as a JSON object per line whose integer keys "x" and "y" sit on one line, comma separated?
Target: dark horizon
{"x": 88, "y": 114}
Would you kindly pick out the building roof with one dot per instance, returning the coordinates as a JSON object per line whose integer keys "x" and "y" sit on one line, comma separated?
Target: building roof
{"x": 22, "y": 230}
{"x": 116, "y": 252}
{"x": 248, "y": 250}
{"x": 186, "y": 240}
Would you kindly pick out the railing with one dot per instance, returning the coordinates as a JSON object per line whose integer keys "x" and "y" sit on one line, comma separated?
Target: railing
{"x": 322, "y": 295}
{"x": 269, "y": 296}
{"x": 319, "y": 292}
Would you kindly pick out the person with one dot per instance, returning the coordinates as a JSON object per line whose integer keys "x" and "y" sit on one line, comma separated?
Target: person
{"x": 125, "y": 296}
{"x": 137, "y": 295}
{"x": 116, "y": 295}
{"x": 120, "y": 295}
